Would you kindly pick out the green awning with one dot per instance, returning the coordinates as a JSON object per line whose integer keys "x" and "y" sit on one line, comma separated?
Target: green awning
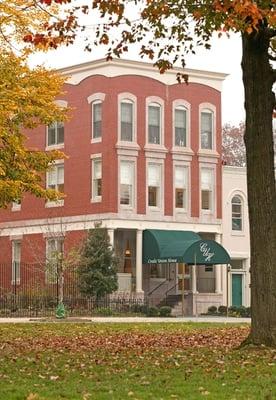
{"x": 162, "y": 247}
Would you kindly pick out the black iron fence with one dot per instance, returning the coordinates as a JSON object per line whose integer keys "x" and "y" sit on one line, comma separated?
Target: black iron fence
{"x": 30, "y": 290}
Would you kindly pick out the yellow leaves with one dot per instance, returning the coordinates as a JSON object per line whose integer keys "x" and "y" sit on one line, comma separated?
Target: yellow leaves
{"x": 26, "y": 101}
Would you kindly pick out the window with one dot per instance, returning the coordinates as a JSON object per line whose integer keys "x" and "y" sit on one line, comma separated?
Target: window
{"x": 54, "y": 254}
{"x": 16, "y": 259}
{"x": 154, "y": 123}
{"x": 206, "y": 189}
{"x": 127, "y": 121}
{"x": 180, "y": 126}
{"x": 97, "y": 180}
{"x": 97, "y": 119}
{"x": 55, "y": 134}
{"x": 126, "y": 183}
{"x": 207, "y": 127}
{"x": 236, "y": 204}
{"x": 180, "y": 184}
{"x": 154, "y": 185}
{"x": 55, "y": 178}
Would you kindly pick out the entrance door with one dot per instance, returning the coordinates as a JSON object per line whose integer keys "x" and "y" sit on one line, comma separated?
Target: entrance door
{"x": 237, "y": 290}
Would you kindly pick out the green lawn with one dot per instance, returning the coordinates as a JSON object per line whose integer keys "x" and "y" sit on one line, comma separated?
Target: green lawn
{"x": 132, "y": 361}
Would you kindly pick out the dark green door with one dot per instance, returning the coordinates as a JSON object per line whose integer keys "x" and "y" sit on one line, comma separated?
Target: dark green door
{"x": 236, "y": 289}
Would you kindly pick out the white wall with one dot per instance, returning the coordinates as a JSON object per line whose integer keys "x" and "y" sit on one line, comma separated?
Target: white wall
{"x": 237, "y": 243}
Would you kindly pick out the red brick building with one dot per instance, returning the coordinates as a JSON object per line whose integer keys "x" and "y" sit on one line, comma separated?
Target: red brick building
{"x": 144, "y": 152}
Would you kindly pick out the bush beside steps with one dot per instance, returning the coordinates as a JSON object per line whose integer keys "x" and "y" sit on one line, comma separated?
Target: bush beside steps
{"x": 233, "y": 311}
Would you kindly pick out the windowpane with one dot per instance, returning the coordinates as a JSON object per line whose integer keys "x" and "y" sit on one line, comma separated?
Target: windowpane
{"x": 126, "y": 182}
{"x": 55, "y": 133}
{"x": 205, "y": 200}
{"x": 180, "y": 187}
{"x": 180, "y": 198}
{"x": 154, "y": 114}
{"x": 97, "y": 179}
{"x": 236, "y": 213}
{"x": 206, "y": 130}
{"x": 97, "y": 120}
{"x": 60, "y": 132}
{"x": 127, "y": 122}
{"x": 153, "y": 196}
{"x": 180, "y": 127}
{"x": 55, "y": 178}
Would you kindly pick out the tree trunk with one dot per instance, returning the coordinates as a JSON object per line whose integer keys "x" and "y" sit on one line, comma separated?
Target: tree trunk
{"x": 259, "y": 102}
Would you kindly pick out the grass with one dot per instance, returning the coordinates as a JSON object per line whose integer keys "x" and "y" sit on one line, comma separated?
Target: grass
{"x": 132, "y": 361}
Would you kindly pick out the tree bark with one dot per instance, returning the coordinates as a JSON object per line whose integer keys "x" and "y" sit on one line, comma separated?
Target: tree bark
{"x": 259, "y": 102}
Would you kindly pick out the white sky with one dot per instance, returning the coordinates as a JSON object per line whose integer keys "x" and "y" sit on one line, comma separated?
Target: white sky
{"x": 224, "y": 56}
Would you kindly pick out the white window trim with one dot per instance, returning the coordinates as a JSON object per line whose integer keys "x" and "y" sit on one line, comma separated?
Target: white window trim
{"x": 211, "y": 108}
{"x": 95, "y": 157}
{"x": 156, "y": 100}
{"x": 179, "y": 103}
{"x": 153, "y": 209}
{"x": 57, "y": 203}
{"x": 213, "y": 209}
{"x": 95, "y": 98}
{"x": 125, "y": 207}
{"x": 186, "y": 210}
{"x": 127, "y": 98}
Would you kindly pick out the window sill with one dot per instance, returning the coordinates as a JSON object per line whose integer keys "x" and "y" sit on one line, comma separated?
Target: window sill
{"x": 55, "y": 147}
{"x": 51, "y": 204}
{"x": 237, "y": 233}
{"x": 96, "y": 140}
{"x": 96, "y": 200}
{"x": 16, "y": 208}
{"x": 180, "y": 210}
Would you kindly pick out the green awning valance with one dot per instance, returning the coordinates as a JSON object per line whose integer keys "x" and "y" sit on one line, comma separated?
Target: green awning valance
{"x": 161, "y": 246}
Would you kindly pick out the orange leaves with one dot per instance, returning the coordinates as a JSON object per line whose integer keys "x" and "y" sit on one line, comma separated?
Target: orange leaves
{"x": 244, "y": 15}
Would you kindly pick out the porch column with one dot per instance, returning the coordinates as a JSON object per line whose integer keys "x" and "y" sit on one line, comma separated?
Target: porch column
{"x": 218, "y": 268}
{"x": 110, "y": 232}
{"x": 139, "y": 272}
{"x": 194, "y": 285}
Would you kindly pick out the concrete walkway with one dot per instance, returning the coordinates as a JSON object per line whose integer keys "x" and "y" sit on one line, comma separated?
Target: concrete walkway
{"x": 130, "y": 320}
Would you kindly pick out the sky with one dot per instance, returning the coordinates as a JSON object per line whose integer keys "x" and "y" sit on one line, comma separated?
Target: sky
{"x": 224, "y": 56}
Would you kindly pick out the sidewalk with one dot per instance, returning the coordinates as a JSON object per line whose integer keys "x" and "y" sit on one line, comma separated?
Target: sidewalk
{"x": 135, "y": 320}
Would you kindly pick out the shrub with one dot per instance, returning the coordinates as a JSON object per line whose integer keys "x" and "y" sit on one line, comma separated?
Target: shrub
{"x": 153, "y": 312}
{"x": 222, "y": 310}
{"x": 248, "y": 311}
{"x": 165, "y": 311}
{"x": 212, "y": 310}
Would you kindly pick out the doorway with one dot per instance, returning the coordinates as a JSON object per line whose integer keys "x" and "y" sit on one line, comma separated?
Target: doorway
{"x": 237, "y": 295}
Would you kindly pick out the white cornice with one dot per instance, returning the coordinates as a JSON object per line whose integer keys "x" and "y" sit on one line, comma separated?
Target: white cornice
{"x": 118, "y": 67}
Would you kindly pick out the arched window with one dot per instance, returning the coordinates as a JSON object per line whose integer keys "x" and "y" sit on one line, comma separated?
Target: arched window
{"x": 154, "y": 123}
{"x": 236, "y": 205}
{"x": 97, "y": 119}
{"x": 207, "y": 129}
{"x": 180, "y": 126}
{"x": 126, "y": 122}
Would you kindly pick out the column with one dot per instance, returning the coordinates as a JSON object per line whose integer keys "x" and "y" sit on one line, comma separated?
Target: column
{"x": 194, "y": 285}
{"x": 218, "y": 268}
{"x": 139, "y": 271}
{"x": 110, "y": 232}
